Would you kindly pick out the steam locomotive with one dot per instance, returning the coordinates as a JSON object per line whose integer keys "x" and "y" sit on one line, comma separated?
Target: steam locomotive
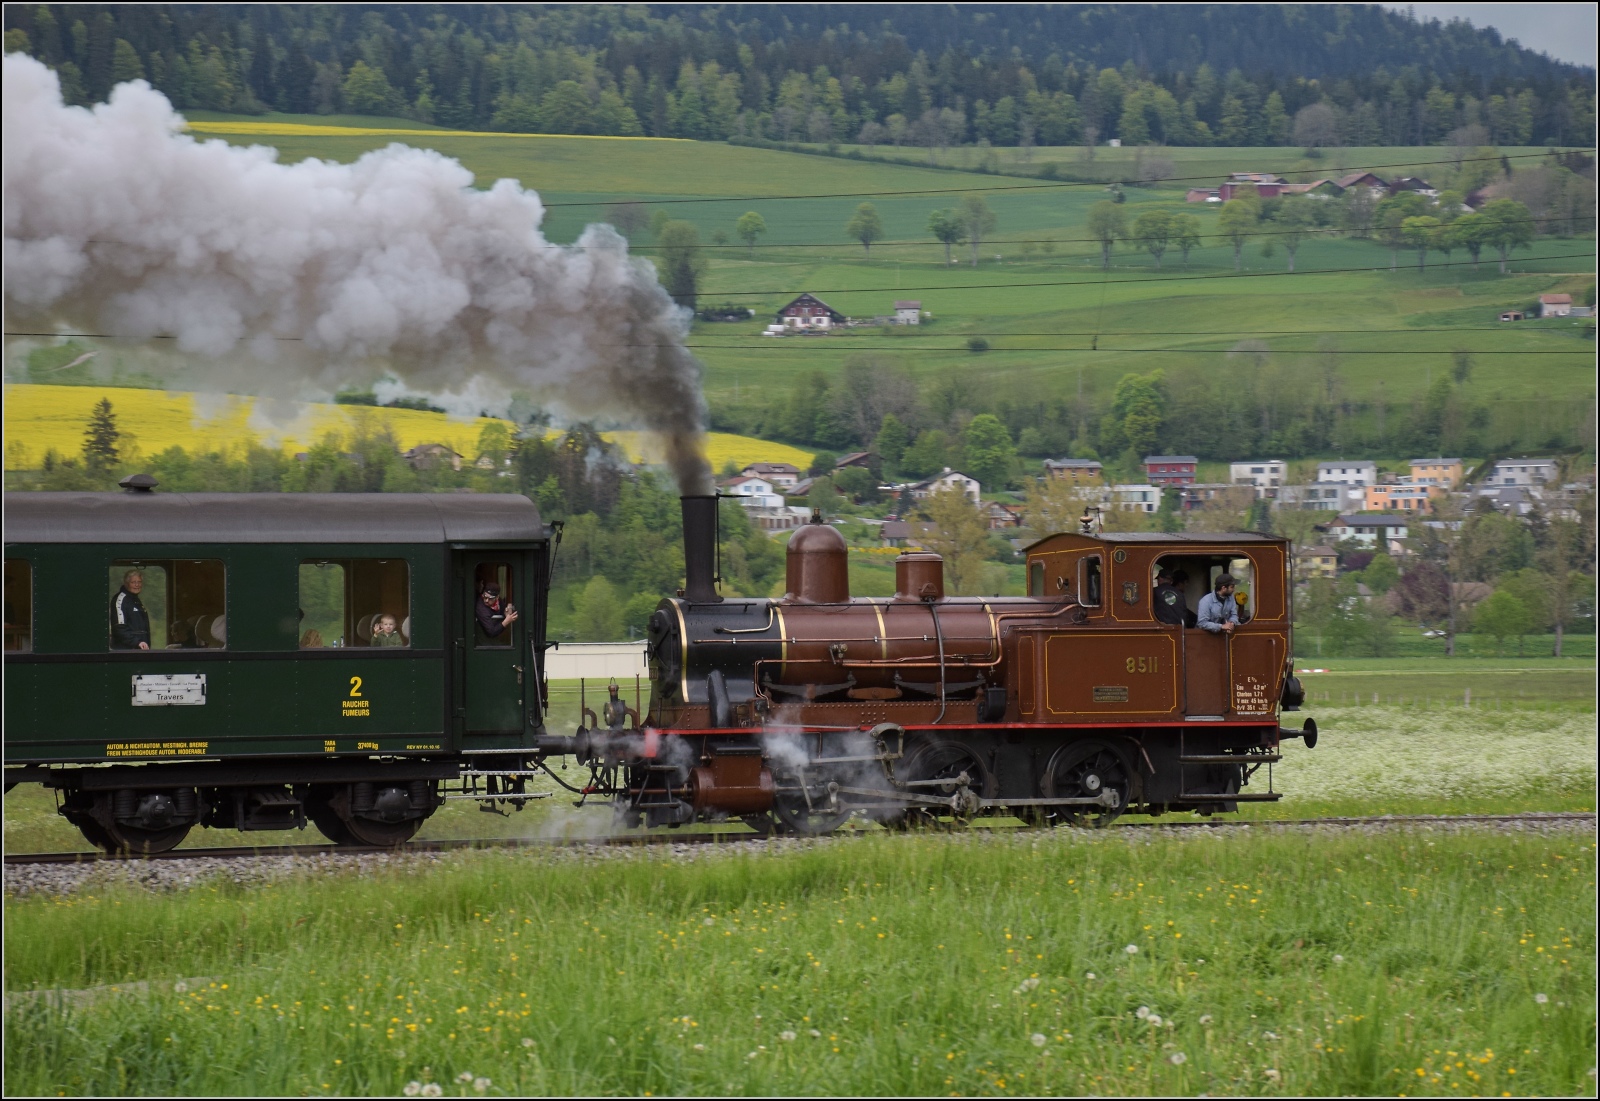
{"x": 317, "y": 659}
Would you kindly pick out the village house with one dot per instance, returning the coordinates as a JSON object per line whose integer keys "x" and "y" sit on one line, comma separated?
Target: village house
{"x": 1513, "y": 500}
{"x": 1511, "y": 315}
{"x": 939, "y": 483}
{"x": 1376, "y": 530}
{"x": 908, "y": 312}
{"x": 808, "y": 312}
{"x": 907, "y": 534}
{"x": 1136, "y": 497}
{"x": 1202, "y": 195}
{"x": 1348, "y": 472}
{"x": 429, "y": 456}
{"x": 1412, "y": 183}
{"x": 1264, "y": 184}
{"x": 1219, "y": 495}
{"x": 1406, "y": 496}
{"x": 1555, "y": 305}
{"x": 780, "y": 475}
{"x": 1437, "y": 472}
{"x": 1001, "y": 516}
{"x": 753, "y": 492}
{"x": 1265, "y": 475}
{"x": 866, "y": 460}
{"x": 1375, "y": 184}
{"x": 1170, "y": 470}
{"x": 1522, "y": 472}
{"x": 1316, "y": 562}
{"x": 1075, "y": 471}
{"x": 1329, "y": 496}
{"x": 1316, "y": 189}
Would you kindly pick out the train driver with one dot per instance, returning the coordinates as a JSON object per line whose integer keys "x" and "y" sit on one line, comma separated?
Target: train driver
{"x": 1219, "y": 613}
{"x": 494, "y": 615}
{"x": 1168, "y": 600}
{"x": 130, "y": 623}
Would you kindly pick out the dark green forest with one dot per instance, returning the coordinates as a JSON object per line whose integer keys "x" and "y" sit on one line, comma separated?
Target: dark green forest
{"x": 1008, "y": 75}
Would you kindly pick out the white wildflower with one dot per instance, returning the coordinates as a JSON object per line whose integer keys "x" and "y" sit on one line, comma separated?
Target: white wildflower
{"x": 1154, "y": 1019}
{"x": 1205, "y": 1018}
{"x": 1272, "y": 1074}
{"x": 1268, "y": 1034}
{"x": 180, "y": 988}
{"x": 1089, "y": 975}
{"x": 481, "y": 1085}
{"x": 1338, "y": 958}
{"x": 709, "y": 921}
{"x": 433, "y": 1089}
{"x": 1038, "y": 1039}
{"x": 786, "y": 1035}
{"x": 816, "y": 1033}
{"x": 1026, "y": 985}
{"x": 1132, "y": 949}
{"x": 412, "y": 1089}
{"x": 752, "y": 1055}
{"x": 1177, "y": 1058}
{"x": 1171, "y": 1023}
{"x": 699, "y": 1047}
{"x": 1142, "y": 1012}
{"x": 1541, "y": 998}
{"x": 527, "y": 1041}
{"x": 464, "y": 1076}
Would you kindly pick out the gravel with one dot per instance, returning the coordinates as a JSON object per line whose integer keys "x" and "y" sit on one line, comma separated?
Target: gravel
{"x": 178, "y": 874}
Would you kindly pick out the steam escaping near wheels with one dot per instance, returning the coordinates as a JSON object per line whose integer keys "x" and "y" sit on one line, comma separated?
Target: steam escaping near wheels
{"x": 300, "y": 280}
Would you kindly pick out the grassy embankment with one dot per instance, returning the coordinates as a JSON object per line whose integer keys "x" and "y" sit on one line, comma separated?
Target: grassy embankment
{"x": 1142, "y": 322}
{"x": 1526, "y": 743}
{"x": 1416, "y": 963}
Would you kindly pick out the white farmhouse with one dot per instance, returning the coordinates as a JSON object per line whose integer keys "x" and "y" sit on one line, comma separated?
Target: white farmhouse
{"x": 1265, "y": 475}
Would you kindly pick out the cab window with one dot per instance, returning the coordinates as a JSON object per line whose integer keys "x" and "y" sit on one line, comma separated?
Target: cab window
{"x": 1089, "y": 581}
{"x": 1036, "y": 579}
{"x": 19, "y": 606}
{"x": 355, "y": 603}
{"x": 167, "y": 604}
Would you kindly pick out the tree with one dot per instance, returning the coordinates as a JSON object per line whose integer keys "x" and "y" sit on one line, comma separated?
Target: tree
{"x": 1107, "y": 224}
{"x": 494, "y": 441}
{"x": 1559, "y": 554}
{"x": 1053, "y": 505}
{"x": 947, "y": 229}
{"x": 1185, "y": 234}
{"x": 1136, "y": 410}
{"x": 1390, "y": 220}
{"x": 749, "y": 227}
{"x": 1420, "y": 233}
{"x": 891, "y": 441}
{"x": 367, "y": 91}
{"x": 1154, "y": 230}
{"x": 978, "y": 221}
{"x": 1237, "y": 223}
{"x": 959, "y": 535}
{"x": 865, "y": 226}
{"x": 1381, "y": 573}
{"x": 682, "y": 264}
{"x": 824, "y": 497}
{"x": 628, "y": 217}
{"x": 125, "y": 63}
{"x": 100, "y": 439}
{"x": 1503, "y": 616}
{"x": 1296, "y": 221}
{"x": 1508, "y": 225}
{"x": 597, "y": 613}
{"x": 1316, "y": 125}
{"x": 1468, "y": 231}
{"x": 987, "y": 451}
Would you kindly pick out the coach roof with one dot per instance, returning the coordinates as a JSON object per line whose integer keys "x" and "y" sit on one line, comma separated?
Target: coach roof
{"x": 271, "y": 518}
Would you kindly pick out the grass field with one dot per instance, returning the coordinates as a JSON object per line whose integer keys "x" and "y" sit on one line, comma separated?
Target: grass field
{"x": 39, "y": 418}
{"x": 1417, "y": 963}
{"x": 1392, "y": 331}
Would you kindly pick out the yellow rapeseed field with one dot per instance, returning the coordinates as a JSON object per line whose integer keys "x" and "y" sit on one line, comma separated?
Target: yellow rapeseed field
{"x": 40, "y": 418}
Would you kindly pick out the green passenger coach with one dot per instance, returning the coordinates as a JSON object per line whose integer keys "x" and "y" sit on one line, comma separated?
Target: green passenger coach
{"x": 255, "y": 661}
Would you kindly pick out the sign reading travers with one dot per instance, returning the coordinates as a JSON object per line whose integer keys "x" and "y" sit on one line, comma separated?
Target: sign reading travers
{"x": 169, "y": 690}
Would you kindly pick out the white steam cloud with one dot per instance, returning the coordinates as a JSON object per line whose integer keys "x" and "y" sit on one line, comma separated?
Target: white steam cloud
{"x": 315, "y": 276}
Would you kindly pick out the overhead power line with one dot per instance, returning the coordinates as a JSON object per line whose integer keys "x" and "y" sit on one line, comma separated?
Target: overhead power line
{"x": 1054, "y": 186}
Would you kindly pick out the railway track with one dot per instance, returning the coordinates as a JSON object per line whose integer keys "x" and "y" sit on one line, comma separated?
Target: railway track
{"x": 680, "y": 838}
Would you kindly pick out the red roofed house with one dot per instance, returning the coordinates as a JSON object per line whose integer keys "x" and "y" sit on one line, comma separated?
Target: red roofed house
{"x": 1170, "y": 470}
{"x": 1363, "y": 179}
{"x": 809, "y": 312}
{"x": 1264, "y": 184}
{"x": 1555, "y": 305}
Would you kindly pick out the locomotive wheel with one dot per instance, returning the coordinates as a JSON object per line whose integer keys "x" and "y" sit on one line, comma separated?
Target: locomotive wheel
{"x": 1084, "y": 769}
{"x": 945, "y": 761}
{"x": 762, "y": 823}
{"x": 792, "y": 814}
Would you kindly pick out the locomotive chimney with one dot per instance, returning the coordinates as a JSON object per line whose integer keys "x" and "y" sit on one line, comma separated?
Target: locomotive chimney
{"x": 700, "y": 549}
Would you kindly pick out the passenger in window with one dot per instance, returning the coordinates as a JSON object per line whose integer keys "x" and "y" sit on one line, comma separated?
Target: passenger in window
{"x": 181, "y": 636}
{"x": 130, "y": 623}
{"x": 494, "y": 616}
{"x": 312, "y": 639}
{"x": 386, "y": 632}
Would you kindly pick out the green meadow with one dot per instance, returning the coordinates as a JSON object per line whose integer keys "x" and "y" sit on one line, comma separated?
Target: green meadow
{"x": 1056, "y": 324}
{"x": 1412, "y": 962}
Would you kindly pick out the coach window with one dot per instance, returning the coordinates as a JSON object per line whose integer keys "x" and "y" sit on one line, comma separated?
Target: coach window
{"x": 355, "y": 602}
{"x": 1242, "y": 570}
{"x": 167, "y": 604}
{"x": 489, "y": 631}
{"x": 19, "y": 606}
{"x": 1089, "y": 581}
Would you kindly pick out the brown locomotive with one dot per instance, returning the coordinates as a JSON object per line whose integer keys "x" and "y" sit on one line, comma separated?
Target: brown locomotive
{"x": 1071, "y": 704}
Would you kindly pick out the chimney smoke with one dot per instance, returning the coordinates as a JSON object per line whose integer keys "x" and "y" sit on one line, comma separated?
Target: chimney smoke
{"x": 298, "y": 280}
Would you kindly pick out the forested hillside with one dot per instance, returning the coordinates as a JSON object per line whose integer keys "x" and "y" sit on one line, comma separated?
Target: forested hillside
{"x": 1231, "y": 75}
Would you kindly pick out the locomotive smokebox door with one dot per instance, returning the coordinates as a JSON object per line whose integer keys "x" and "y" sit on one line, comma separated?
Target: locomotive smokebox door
{"x": 495, "y": 674}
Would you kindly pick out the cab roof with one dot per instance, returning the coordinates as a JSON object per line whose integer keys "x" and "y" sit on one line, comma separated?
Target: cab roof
{"x": 133, "y": 517}
{"x": 1188, "y": 540}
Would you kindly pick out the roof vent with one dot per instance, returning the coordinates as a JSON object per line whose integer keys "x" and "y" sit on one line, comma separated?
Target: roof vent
{"x": 139, "y": 483}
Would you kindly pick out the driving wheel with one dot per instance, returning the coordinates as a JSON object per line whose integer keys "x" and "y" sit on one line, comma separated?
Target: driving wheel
{"x": 946, "y": 763}
{"x": 1085, "y": 770}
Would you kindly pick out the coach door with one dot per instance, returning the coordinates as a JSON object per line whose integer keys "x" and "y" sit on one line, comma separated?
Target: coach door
{"x": 494, "y": 671}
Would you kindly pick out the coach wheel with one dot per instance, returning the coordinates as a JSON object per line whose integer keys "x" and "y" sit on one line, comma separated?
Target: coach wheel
{"x": 143, "y": 842}
{"x": 382, "y": 835}
{"x": 330, "y": 811}
{"x": 326, "y": 819}
{"x": 1086, "y": 769}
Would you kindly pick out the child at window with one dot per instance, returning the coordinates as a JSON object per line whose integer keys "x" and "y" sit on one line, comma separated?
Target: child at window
{"x": 385, "y": 632}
